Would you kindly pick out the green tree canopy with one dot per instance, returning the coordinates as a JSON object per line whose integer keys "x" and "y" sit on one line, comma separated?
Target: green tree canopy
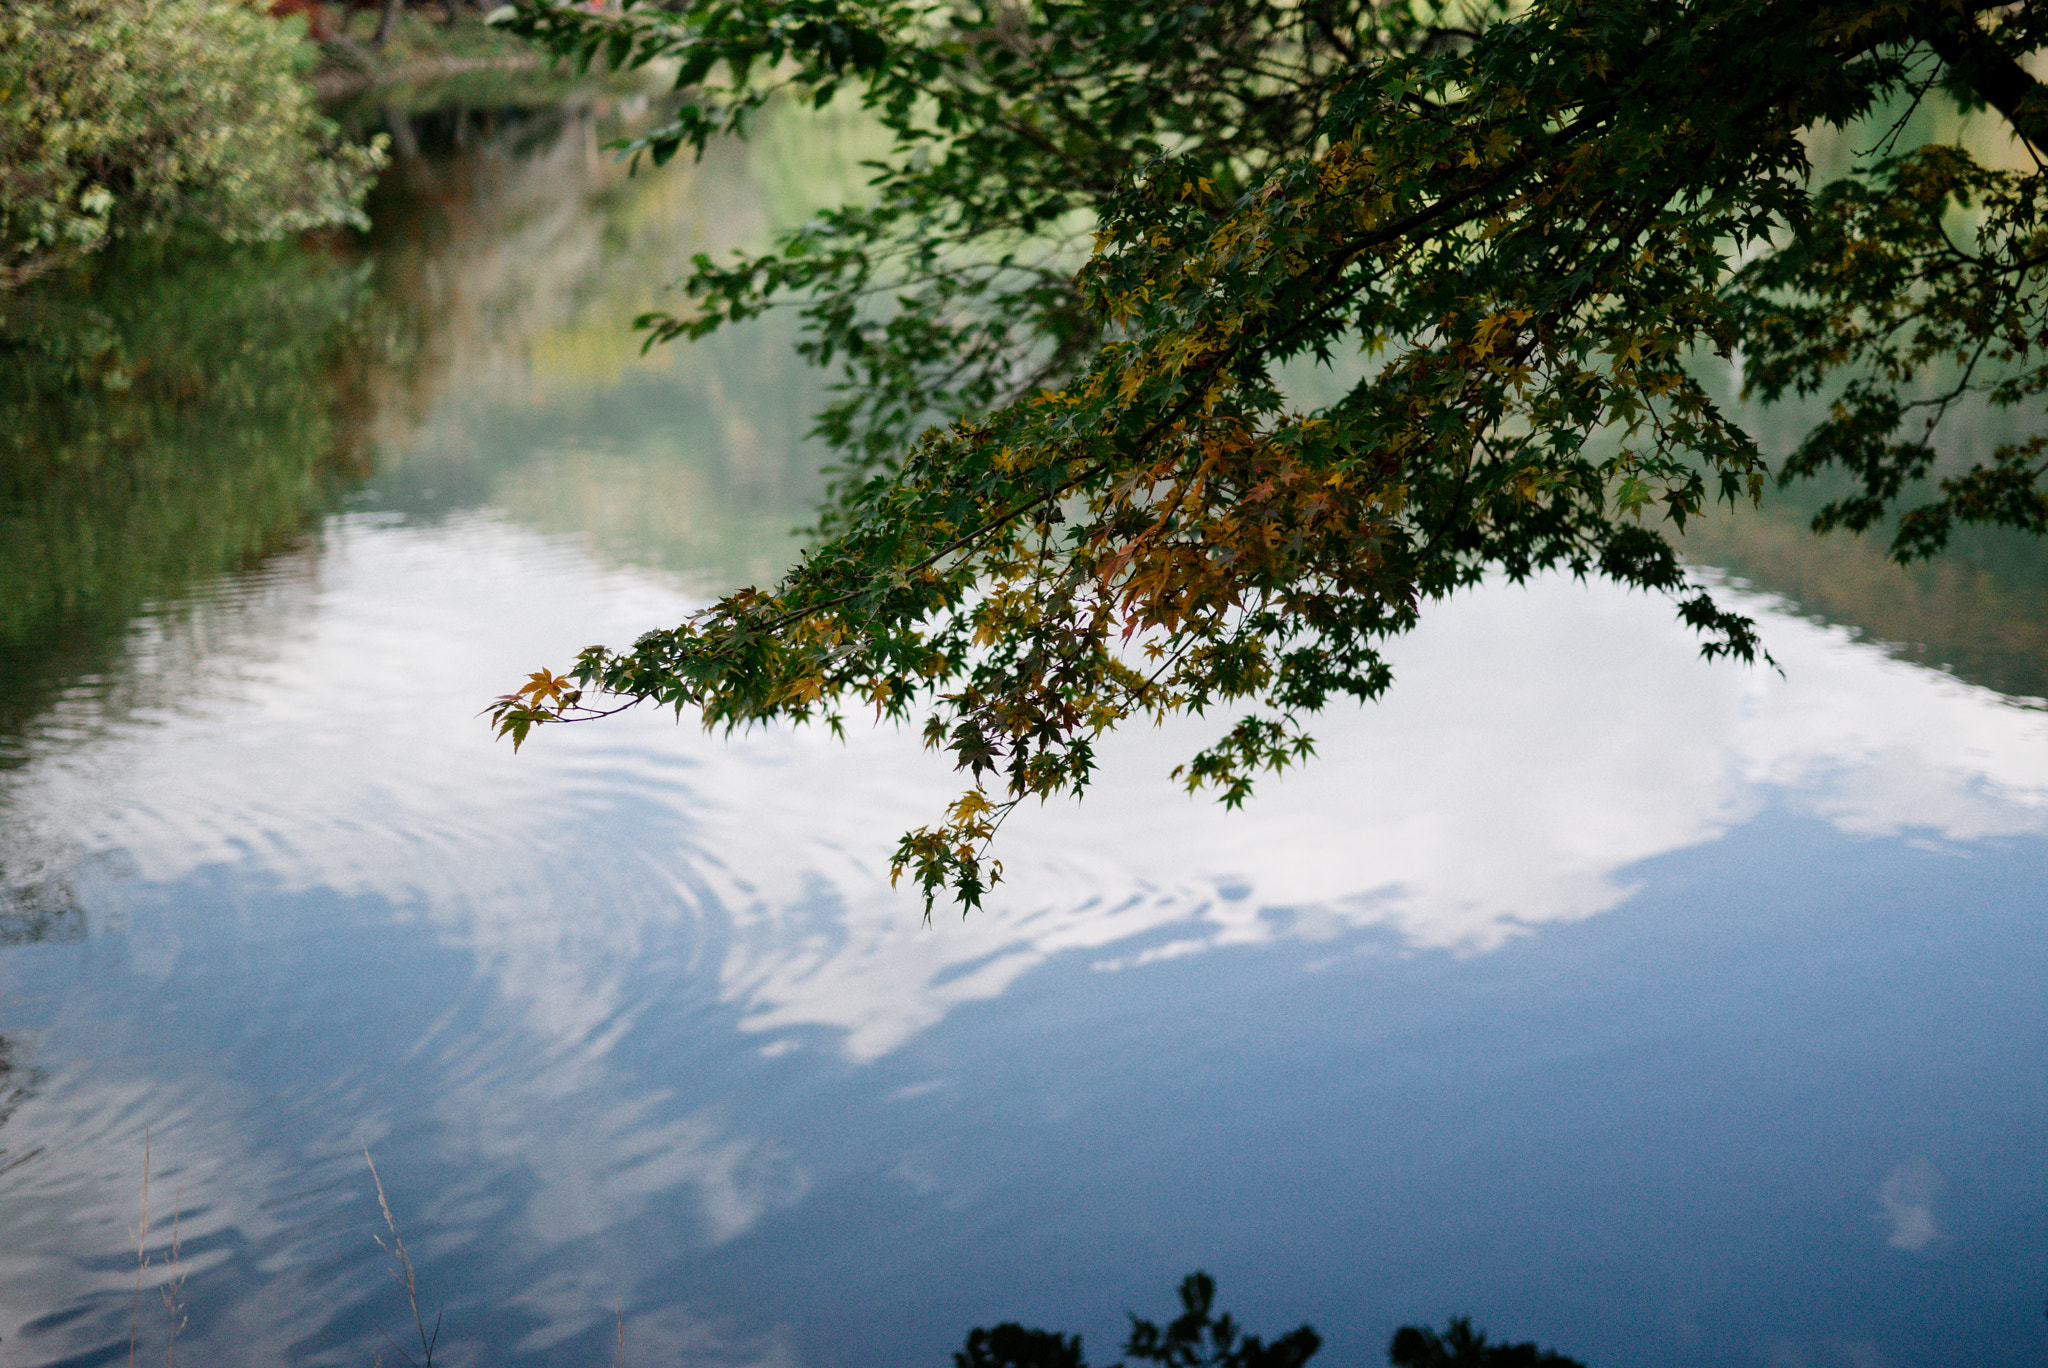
{"x": 1073, "y": 490}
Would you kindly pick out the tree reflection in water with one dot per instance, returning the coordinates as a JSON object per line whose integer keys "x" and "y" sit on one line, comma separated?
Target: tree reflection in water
{"x": 1198, "y": 1339}
{"x": 178, "y": 418}
{"x": 16, "y": 1083}
{"x": 168, "y": 416}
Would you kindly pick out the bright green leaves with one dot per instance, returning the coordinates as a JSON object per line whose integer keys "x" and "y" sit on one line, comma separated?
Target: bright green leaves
{"x": 1254, "y": 744}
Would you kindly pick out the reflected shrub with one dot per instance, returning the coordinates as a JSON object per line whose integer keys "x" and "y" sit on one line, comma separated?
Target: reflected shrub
{"x": 175, "y": 410}
{"x": 1460, "y": 1346}
{"x": 1199, "y": 1339}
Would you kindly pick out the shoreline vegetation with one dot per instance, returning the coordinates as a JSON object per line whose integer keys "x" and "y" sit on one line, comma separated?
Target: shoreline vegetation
{"x": 124, "y": 120}
{"x": 337, "y": 82}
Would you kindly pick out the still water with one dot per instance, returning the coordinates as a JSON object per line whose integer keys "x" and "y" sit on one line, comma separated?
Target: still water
{"x": 1667, "y": 1013}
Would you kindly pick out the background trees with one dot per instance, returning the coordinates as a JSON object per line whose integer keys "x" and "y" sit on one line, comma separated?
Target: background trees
{"x": 1103, "y": 235}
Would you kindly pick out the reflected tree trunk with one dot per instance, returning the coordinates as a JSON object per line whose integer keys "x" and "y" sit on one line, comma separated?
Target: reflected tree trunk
{"x": 387, "y": 21}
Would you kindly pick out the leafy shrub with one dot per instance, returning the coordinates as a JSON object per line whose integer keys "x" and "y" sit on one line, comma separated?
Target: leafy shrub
{"x": 123, "y": 117}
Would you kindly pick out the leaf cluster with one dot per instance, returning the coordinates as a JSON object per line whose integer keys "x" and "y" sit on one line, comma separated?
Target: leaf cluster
{"x": 1529, "y": 224}
{"x": 1460, "y": 1346}
{"x": 1910, "y": 293}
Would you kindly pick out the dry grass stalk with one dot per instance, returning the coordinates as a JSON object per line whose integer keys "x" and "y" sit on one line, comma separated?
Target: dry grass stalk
{"x": 403, "y": 1272}
{"x": 141, "y": 1259}
{"x": 173, "y": 1289}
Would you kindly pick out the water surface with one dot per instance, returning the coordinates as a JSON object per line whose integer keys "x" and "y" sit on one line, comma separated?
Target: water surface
{"x": 1661, "y": 1011}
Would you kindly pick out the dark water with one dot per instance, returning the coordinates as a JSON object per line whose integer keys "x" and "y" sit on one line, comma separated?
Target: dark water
{"x": 1666, "y": 1013}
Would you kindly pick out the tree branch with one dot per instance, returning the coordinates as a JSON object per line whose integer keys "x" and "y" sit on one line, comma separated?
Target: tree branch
{"x": 2001, "y": 82}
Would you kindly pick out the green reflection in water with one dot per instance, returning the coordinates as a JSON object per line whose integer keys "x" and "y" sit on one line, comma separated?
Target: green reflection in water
{"x": 521, "y": 262}
{"x": 1980, "y": 610}
{"x": 180, "y": 416}
{"x": 172, "y": 416}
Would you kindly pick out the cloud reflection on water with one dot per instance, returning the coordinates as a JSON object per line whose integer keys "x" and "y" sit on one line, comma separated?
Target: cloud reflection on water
{"x": 1906, "y": 1203}
{"x": 1539, "y": 742}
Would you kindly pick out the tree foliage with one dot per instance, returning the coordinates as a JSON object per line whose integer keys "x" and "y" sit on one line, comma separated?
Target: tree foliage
{"x": 134, "y": 116}
{"x": 1074, "y": 491}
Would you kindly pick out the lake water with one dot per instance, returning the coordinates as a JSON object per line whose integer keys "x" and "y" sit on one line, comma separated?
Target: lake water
{"x": 1667, "y": 1013}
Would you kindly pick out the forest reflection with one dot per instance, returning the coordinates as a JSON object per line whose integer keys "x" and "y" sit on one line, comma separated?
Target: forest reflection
{"x": 179, "y": 416}
{"x": 176, "y": 415}
{"x": 1980, "y": 611}
{"x": 17, "y": 1082}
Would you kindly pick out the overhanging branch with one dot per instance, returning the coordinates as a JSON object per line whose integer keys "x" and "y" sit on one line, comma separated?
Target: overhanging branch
{"x": 1986, "y": 68}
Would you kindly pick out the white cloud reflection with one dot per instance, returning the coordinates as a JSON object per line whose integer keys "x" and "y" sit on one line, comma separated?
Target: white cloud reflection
{"x": 1539, "y": 742}
{"x": 1905, "y": 1202}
